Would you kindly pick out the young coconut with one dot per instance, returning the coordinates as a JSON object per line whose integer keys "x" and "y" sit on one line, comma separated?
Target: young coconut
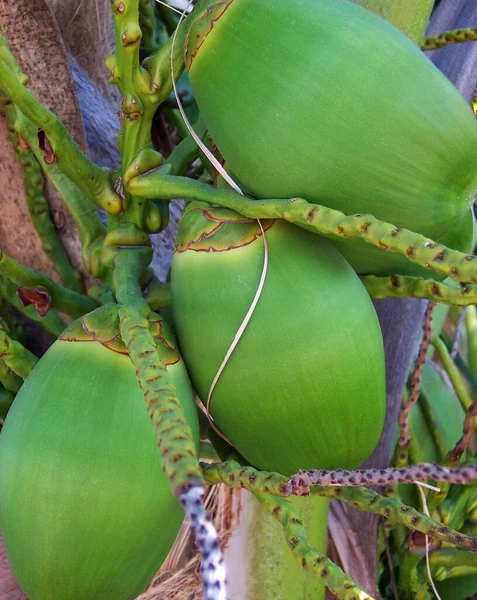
{"x": 341, "y": 109}
{"x": 85, "y": 509}
{"x": 305, "y": 386}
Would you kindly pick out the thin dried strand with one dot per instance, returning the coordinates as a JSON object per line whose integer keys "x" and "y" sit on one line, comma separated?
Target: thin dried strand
{"x": 468, "y": 431}
{"x": 447, "y": 38}
{"x": 329, "y": 574}
{"x": 399, "y": 286}
{"x": 15, "y": 356}
{"x": 416, "y": 378}
{"x": 89, "y": 178}
{"x": 212, "y": 566}
{"x": 318, "y": 219}
{"x": 62, "y": 299}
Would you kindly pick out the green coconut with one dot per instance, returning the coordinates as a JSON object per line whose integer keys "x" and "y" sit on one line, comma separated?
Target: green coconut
{"x": 327, "y": 101}
{"x": 305, "y": 387}
{"x": 86, "y": 512}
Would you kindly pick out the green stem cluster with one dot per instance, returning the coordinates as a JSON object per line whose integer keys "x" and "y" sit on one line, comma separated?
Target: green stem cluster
{"x": 62, "y": 299}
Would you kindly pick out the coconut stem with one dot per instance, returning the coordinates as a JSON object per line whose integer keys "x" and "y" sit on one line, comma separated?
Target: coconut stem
{"x": 317, "y": 219}
{"x": 398, "y": 286}
{"x": 16, "y": 357}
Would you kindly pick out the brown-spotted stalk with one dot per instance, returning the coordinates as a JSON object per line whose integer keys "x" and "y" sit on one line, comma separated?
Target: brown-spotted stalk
{"x": 346, "y": 486}
{"x": 399, "y": 286}
{"x": 446, "y": 38}
{"x": 318, "y": 219}
{"x": 329, "y": 574}
{"x": 416, "y": 378}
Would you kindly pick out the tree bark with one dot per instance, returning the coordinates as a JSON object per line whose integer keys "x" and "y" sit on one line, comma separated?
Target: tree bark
{"x": 36, "y": 44}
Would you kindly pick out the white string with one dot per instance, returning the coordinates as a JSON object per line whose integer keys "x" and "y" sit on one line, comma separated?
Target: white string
{"x": 426, "y": 512}
{"x": 244, "y": 324}
{"x": 195, "y": 137}
{"x": 428, "y": 486}
{"x": 234, "y": 186}
{"x": 170, "y": 6}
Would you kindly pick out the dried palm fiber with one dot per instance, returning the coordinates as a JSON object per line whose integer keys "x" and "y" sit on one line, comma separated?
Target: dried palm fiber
{"x": 179, "y": 576}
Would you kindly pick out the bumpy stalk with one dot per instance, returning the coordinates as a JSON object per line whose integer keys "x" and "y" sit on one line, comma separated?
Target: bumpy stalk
{"x": 456, "y": 36}
{"x": 322, "y": 567}
{"x": 345, "y": 486}
{"x": 55, "y": 295}
{"x": 416, "y": 378}
{"x": 301, "y": 483}
{"x": 172, "y": 431}
{"x": 179, "y": 458}
{"x": 15, "y": 356}
{"x": 318, "y": 219}
{"x": 467, "y": 435}
{"x": 398, "y": 286}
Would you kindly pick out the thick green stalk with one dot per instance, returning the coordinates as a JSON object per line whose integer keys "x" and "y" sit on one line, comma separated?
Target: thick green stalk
{"x": 158, "y": 295}
{"x": 398, "y": 286}
{"x": 410, "y": 16}
{"x": 60, "y": 146}
{"x": 447, "y": 564}
{"x": 15, "y": 356}
{"x": 8, "y": 379}
{"x": 234, "y": 475}
{"x": 310, "y": 559}
{"x": 179, "y": 458}
{"x": 317, "y": 219}
{"x": 83, "y": 211}
{"x": 62, "y": 299}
